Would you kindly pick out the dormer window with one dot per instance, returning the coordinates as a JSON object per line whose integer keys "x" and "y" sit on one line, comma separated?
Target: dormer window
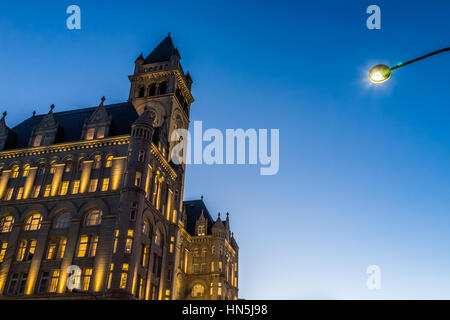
{"x": 201, "y": 230}
{"x": 100, "y": 132}
{"x": 90, "y": 134}
{"x": 15, "y": 172}
{"x": 37, "y": 140}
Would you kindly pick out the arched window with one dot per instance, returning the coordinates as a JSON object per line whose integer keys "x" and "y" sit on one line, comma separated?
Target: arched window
{"x": 141, "y": 92}
{"x": 6, "y": 224}
{"x": 163, "y": 87}
{"x": 63, "y": 220}
{"x": 198, "y": 290}
{"x": 68, "y": 166}
{"x": 97, "y": 162}
{"x": 80, "y": 164}
{"x": 41, "y": 169}
{"x": 158, "y": 238}
{"x": 94, "y": 218}
{"x": 33, "y": 222}
{"x": 152, "y": 90}
{"x": 52, "y": 167}
{"x": 15, "y": 171}
{"x": 146, "y": 227}
{"x": 109, "y": 160}
{"x": 26, "y": 170}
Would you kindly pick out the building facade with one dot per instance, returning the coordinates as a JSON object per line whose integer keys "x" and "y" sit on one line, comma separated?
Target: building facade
{"x": 91, "y": 204}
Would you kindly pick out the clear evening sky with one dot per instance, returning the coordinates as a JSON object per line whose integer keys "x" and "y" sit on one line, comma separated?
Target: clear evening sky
{"x": 364, "y": 170}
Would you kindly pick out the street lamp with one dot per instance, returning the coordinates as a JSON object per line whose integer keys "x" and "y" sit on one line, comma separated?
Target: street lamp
{"x": 381, "y": 72}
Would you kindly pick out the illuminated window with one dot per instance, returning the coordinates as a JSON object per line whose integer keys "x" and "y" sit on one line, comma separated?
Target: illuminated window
{"x": 76, "y": 187}
{"x": 196, "y": 268}
{"x": 6, "y": 224}
{"x": 37, "y": 141}
{"x": 54, "y": 281}
{"x": 87, "y": 275}
{"x": 53, "y": 167}
{"x": 90, "y": 134}
{"x": 68, "y": 166}
{"x": 51, "y": 250}
{"x": 212, "y": 266}
{"x": 174, "y": 216}
{"x": 9, "y": 193}
{"x": 26, "y": 250}
{"x": 93, "y": 185}
{"x": 3, "y": 247}
{"x": 141, "y": 156}
{"x": 19, "y": 193}
{"x": 111, "y": 269}
{"x": 97, "y": 162}
{"x": 129, "y": 242}
{"x": 145, "y": 256}
{"x": 167, "y": 294}
{"x": 204, "y": 252}
{"x": 94, "y": 218}
{"x": 100, "y": 132}
{"x": 15, "y": 172}
{"x": 124, "y": 276}
{"x": 80, "y": 164}
{"x": 169, "y": 204}
{"x": 158, "y": 237}
{"x": 198, "y": 290}
{"x": 219, "y": 290}
{"x": 48, "y": 188}
{"x": 201, "y": 230}
{"x": 105, "y": 185}
{"x": 211, "y": 289}
{"x": 220, "y": 266}
{"x": 82, "y": 246}
{"x": 116, "y": 239}
{"x": 109, "y": 160}
{"x": 22, "y": 250}
{"x": 35, "y": 192}
{"x": 93, "y": 246}
{"x": 76, "y": 278}
{"x": 61, "y": 248}
{"x": 63, "y": 220}
{"x": 26, "y": 170}
{"x": 64, "y": 188}
{"x": 137, "y": 180}
{"x": 33, "y": 222}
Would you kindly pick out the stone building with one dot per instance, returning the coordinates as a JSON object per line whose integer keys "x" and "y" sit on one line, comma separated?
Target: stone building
{"x": 91, "y": 205}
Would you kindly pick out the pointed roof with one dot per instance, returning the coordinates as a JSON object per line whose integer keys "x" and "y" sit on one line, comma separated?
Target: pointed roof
{"x": 100, "y": 115}
{"x": 194, "y": 209}
{"x": 3, "y": 127}
{"x": 162, "y": 52}
{"x": 48, "y": 121}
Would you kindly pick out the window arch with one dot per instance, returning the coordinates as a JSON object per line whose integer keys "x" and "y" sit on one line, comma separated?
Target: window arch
{"x": 109, "y": 160}
{"x": 93, "y": 218}
{"x": 146, "y": 227}
{"x": 163, "y": 87}
{"x": 141, "y": 92}
{"x": 198, "y": 290}
{"x": 33, "y": 222}
{"x": 97, "y": 161}
{"x": 6, "y": 224}
{"x": 41, "y": 169}
{"x": 68, "y": 166}
{"x": 158, "y": 238}
{"x": 15, "y": 171}
{"x": 63, "y": 220}
{"x": 26, "y": 170}
{"x": 152, "y": 90}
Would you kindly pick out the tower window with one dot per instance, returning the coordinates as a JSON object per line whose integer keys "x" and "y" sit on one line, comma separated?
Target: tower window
{"x": 141, "y": 92}
{"x": 163, "y": 87}
{"x": 152, "y": 90}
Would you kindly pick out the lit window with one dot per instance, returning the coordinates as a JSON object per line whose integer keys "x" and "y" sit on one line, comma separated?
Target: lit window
{"x": 61, "y": 248}
{"x": 219, "y": 290}
{"x": 93, "y": 185}
{"x": 87, "y": 275}
{"x": 129, "y": 242}
{"x": 94, "y": 218}
{"x": 97, "y": 162}
{"x": 30, "y": 250}
{"x": 22, "y": 250}
{"x": 6, "y": 224}
{"x": 82, "y": 246}
{"x": 158, "y": 238}
{"x": 105, "y": 185}
{"x": 220, "y": 266}
{"x": 51, "y": 250}
{"x": 201, "y": 230}
{"x": 212, "y": 266}
{"x": 137, "y": 181}
{"x": 93, "y": 246}
{"x": 15, "y": 172}
{"x": 35, "y": 192}
{"x": 116, "y": 239}
{"x": 68, "y": 166}
{"x": 76, "y": 187}
{"x": 100, "y": 132}
{"x": 124, "y": 276}
{"x": 26, "y": 170}
{"x": 172, "y": 239}
{"x": 145, "y": 256}
{"x": 33, "y": 222}
{"x": 63, "y": 220}
{"x": 198, "y": 290}
{"x": 54, "y": 281}
{"x": 9, "y": 193}
{"x": 53, "y": 167}
{"x": 109, "y": 160}
{"x": 146, "y": 227}
{"x": 64, "y": 188}
{"x": 3, "y": 247}
{"x": 37, "y": 141}
{"x": 19, "y": 193}
{"x": 90, "y": 134}
{"x": 111, "y": 268}
{"x": 48, "y": 188}
{"x": 141, "y": 156}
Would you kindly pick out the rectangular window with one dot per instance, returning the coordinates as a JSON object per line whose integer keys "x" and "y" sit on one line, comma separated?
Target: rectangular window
{"x": 111, "y": 269}
{"x": 100, "y": 132}
{"x": 172, "y": 239}
{"x": 212, "y": 266}
{"x": 219, "y": 290}
{"x": 129, "y": 242}
{"x": 105, "y": 185}
{"x": 51, "y": 250}
{"x": 87, "y": 275}
{"x": 54, "y": 281}
{"x": 22, "y": 250}
{"x": 76, "y": 187}
{"x": 23, "y": 282}
{"x": 137, "y": 181}
{"x": 43, "y": 284}
{"x": 90, "y": 134}
{"x": 93, "y": 246}
{"x": 48, "y": 188}
{"x": 37, "y": 141}
{"x": 124, "y": 276}
{"x": 220, "y": 266}
{"x": 196, "y": 268}
{"x": 61, "y": 248}
{"x": 13, "y": 283}
{"x": 31, "y": 250}
{"x": 3, "y": 247}
{"x": 145, "y": 256}
{"x": 116, "y": 239}
{"x": 93, "y": 185}
{"x": 36, "y": 190}
{"x": 64, "y": 188}
{"x": 20, "y": 193}
{"x": 82, "y": 246}
{"x": 9, "y": 194}
{"x": 169, "y": 204}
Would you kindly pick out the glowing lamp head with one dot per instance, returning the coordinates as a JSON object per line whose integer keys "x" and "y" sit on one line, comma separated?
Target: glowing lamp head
{"x": 380, "y": 73}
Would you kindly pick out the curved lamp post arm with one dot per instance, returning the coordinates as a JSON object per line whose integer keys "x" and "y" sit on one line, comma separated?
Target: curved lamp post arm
{"x": 420, "y": 58}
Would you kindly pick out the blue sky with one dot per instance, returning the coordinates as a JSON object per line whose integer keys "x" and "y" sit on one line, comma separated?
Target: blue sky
{"x": 364, "y": 170}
